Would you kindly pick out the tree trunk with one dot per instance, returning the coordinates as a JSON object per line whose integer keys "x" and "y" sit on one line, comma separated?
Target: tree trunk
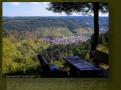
{"x": 96, "y": 28}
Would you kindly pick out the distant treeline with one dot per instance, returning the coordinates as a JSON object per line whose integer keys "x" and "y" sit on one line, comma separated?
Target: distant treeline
{"x": 48, "y": 26}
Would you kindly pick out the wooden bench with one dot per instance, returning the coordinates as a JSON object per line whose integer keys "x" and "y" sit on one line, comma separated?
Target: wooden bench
{"x": 78, "y": 66}
{"x": 81, "y": 67}
{"x": 48, "y": 70}
{"x": 84, "y": 68}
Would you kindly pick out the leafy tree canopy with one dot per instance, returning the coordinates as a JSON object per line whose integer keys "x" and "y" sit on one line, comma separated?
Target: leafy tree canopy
{"x": 70, "y": 7}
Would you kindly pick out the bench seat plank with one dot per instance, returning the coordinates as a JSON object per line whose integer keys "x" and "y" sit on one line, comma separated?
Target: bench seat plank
{"x": 81, "y": 64}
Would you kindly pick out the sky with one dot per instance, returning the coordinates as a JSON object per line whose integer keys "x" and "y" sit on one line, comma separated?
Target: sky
{"x": 12, "y": 9}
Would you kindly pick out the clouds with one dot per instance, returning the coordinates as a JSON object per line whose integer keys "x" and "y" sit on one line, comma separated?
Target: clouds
{"x": 15, "y": 3}
{"x": 33, "y": 3}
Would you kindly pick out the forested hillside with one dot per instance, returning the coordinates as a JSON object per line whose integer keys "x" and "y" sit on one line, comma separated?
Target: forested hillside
{"x": 48, "y": 26}
{"x": 22, "y": 41}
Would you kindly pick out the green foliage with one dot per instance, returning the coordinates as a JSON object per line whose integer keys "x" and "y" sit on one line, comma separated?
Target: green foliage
{"x": 103, "y": 48}
{"x": 10, "y": 54}
{"x": 21, "y": 55}
{"x": 103, "y": 42}
{"x": 53, "y": 32}
{"x": 70, "y": 7}
{"x": 58, "y": 63}
{"x": 104, "y": 38}
{"x": 55, "y": 53}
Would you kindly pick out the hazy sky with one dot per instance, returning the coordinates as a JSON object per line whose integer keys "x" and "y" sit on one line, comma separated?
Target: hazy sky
{"x": 31, "y": 9}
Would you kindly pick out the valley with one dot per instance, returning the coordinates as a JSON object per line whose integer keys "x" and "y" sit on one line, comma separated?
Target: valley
{"x": 52, "y": 37}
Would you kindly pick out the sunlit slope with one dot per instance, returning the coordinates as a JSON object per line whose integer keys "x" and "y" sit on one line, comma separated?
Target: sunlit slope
{"x": 49, "y": 27}
{"x": 53, "y": 26}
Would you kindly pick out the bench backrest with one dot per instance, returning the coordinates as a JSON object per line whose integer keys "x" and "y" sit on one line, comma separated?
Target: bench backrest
{"x": 42, "y": 60}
